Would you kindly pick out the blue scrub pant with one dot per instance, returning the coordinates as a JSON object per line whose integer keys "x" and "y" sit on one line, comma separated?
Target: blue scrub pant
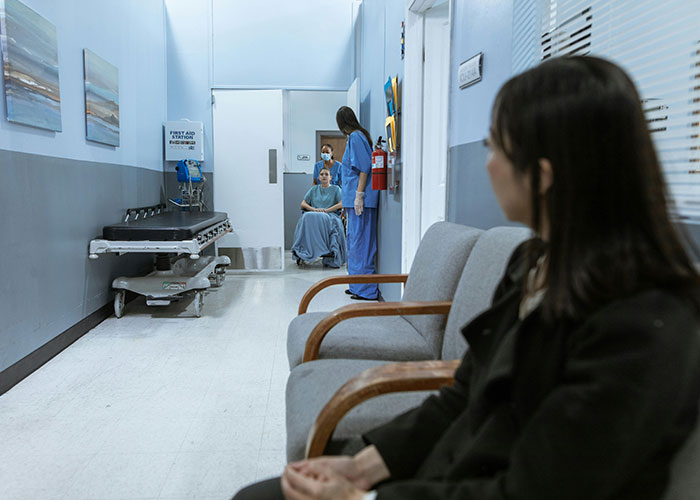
{"x": 362, "y": 249}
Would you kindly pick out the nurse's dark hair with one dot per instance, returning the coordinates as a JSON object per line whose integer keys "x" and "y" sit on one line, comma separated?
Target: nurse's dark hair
{"x": 610, "y": 234}
{"x": 329, "y": 147}
{"x": 347, "y": 123}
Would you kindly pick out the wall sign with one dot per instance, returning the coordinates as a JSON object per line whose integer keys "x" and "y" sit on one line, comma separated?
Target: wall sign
{"x": 184, "y": 140}
{"x": 470, "y": 71}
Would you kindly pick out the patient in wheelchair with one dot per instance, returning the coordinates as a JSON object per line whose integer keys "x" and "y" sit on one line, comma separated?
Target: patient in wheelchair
{"x": 320, "y": 232}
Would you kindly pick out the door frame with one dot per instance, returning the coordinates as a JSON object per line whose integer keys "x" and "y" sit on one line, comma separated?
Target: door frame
{"x": 413, "y": 138}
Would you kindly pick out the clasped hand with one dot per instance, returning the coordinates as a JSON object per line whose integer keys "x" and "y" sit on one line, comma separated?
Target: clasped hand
{"x": 324, "y": 478}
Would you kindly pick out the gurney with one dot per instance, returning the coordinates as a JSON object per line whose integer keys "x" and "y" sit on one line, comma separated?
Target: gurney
{"x": 182, "y": 234}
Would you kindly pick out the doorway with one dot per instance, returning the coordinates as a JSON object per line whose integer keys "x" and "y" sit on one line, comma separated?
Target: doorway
{"x": 425, "y": 121}
{"x": 436, "y": 68}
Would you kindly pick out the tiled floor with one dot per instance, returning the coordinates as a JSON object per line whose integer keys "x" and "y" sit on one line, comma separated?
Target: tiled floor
{"x": 160, "y": 404}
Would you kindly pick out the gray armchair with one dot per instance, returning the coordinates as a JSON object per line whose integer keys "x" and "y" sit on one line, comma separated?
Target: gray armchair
{"x": 685, "y": 470}
{"x": 312, "y": 384}
{"x": 406, "y": 330}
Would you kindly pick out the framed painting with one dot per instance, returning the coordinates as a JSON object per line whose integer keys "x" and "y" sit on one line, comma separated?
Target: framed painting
{"x": 101, "y": 99}
{"x": 30, "y": 67}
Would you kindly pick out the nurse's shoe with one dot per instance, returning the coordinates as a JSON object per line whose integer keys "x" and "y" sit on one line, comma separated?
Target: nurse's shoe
{"x": 359, "y": 297}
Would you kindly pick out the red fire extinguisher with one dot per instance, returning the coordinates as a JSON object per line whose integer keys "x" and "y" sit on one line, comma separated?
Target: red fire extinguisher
{"x": 379, "y": 166}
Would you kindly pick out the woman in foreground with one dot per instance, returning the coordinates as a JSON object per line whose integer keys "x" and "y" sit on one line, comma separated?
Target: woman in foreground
{"x": 582, "y": 381}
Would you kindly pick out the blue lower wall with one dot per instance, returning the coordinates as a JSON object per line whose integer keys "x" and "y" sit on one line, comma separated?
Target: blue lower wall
{"x": 52, "y": 208}
{"x": 470, "y": 200}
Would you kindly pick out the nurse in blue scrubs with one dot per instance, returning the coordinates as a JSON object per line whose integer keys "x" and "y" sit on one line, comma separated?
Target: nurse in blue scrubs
{"x": 327, "y": 161}
{"x": 360, "y": 202}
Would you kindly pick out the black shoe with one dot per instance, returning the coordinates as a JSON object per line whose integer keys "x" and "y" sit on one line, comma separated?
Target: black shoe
{"x": 359, "y": 297}
{"x": 348, "y": 292}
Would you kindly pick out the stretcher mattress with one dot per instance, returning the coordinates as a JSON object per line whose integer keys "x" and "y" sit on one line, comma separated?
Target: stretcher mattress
{"x": 166, "y": 226}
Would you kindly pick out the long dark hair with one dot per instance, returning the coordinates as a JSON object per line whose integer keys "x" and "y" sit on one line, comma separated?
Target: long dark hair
{"x": 347, "y": 123}
{"x": 610, "y": 234}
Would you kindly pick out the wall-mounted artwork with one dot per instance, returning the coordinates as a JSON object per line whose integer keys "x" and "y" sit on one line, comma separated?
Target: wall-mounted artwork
{"x": 30, "y": 67}
{"x": 101, "y": 99}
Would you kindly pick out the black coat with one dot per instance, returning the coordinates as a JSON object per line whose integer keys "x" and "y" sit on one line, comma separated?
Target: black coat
{"x": 590, "y": 410}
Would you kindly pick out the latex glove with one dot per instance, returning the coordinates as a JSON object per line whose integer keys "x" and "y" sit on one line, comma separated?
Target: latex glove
{"x": 359, "y": 202}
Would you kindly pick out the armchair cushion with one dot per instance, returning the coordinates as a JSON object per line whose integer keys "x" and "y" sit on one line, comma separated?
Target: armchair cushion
{"x": 685, "y": 479}
{"x": 482, "y": 273}
{"x": 311, "y": 385}
{"x": 435, "y": 271}
{"x": 359, "y": 338}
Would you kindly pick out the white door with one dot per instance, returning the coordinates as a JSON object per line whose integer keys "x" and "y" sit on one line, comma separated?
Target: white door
{"x": 436, "y": 67}
{"x": 248, "y": 176}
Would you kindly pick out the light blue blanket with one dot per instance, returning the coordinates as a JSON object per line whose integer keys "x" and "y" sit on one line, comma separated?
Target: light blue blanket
{"x": 317, "y": 235}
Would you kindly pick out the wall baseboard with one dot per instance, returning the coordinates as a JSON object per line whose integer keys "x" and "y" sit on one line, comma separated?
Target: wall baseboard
{"x": 17, "y": 372}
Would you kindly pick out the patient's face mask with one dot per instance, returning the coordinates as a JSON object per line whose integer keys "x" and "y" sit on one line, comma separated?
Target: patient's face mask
{"x": 326, "y": 156}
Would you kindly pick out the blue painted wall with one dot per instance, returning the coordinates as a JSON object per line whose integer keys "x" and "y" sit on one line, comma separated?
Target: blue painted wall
{"x": 486, "y": 27}
{"x": 282, "y": 44}
{"x": 381, "y": 58}
{"x": 188, "y": 38}
{"x": 223, "y": 44}
{"x": 130, "y": 36}
{"x": 59, "y": 189}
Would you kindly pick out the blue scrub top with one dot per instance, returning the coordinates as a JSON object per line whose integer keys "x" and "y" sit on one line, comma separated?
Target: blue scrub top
{"x": 358, "y": 158}
{"x": 336, "y": 172}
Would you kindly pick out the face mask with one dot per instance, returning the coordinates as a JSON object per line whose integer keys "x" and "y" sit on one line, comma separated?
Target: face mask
{"x": 326, "y": 156}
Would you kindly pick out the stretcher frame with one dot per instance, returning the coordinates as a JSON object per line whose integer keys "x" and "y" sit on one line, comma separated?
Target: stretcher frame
{"x": 193, "y": 247}
{"x": 186, "y": 276}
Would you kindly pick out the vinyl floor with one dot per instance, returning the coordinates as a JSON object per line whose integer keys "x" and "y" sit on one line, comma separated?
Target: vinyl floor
{"x": 160, "y": 404}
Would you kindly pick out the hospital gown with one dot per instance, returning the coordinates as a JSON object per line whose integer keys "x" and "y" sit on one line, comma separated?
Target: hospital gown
{"x": 319, "y": 234}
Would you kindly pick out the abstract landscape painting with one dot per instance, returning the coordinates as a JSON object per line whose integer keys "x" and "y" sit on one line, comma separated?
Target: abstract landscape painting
{"x": 30, "y": 67}
{"x": 101, "y": 99}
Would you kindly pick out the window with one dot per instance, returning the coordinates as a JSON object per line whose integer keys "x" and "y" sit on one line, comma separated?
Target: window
{"x": 658, "y": 43}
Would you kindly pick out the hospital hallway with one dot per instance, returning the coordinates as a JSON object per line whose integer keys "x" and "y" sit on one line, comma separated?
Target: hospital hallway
{"x": 160, "y": 404}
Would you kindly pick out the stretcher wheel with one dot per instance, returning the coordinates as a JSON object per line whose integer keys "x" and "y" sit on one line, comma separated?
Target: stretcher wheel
{"x": 119, "y": 303}
{"x": 198, "y": 303}
{"x": 218, "y": 279}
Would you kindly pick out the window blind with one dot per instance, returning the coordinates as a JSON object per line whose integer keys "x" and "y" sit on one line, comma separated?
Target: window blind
{"x": 657, "y": 43}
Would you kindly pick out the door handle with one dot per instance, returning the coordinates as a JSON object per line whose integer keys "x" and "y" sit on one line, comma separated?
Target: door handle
{"x": 272, "y": 160}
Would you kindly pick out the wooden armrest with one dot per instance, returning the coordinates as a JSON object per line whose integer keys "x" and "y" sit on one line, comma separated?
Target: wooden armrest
{"x": 313, "y": 343}
{"x": 354, "y": 278}
{"x": 394, "y": 377}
